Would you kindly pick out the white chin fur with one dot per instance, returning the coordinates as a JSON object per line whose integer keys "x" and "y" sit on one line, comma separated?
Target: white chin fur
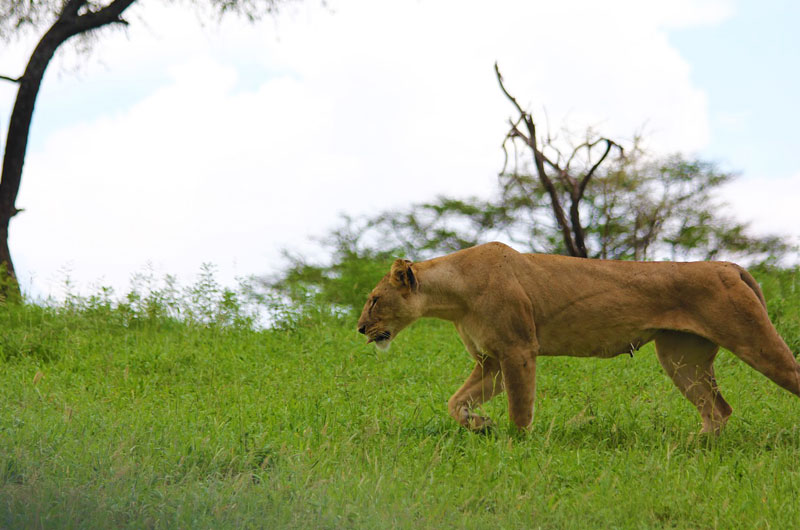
{"x": 383, "y": 345}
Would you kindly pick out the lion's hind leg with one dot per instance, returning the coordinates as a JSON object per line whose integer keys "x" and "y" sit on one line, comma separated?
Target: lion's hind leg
{"x": 761, "y": 347}
{"x": 688, "y": 360}
{"x": 745, "y": 329}
{"x": 483, "y": 384}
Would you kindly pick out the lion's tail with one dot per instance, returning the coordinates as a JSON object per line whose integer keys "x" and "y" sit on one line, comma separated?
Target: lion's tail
{"x": 752, "y": 284}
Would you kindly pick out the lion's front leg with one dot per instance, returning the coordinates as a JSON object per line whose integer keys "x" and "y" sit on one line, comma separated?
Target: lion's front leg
{"x": 482, "y": 385}
{"x": 519, "y": 378}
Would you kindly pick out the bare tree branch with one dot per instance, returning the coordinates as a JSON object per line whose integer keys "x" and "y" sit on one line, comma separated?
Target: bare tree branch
{"x": 590, "y": 173}
{"x": 539, "y": 160}
{"x": 572, "y": 183}
{"x": 509, "y": 96}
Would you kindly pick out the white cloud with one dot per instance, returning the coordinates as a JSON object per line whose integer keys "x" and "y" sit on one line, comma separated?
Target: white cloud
{"x": 689, "y": 13}
{"x": 769, "y": 204}
{"x": 261, "y": 135}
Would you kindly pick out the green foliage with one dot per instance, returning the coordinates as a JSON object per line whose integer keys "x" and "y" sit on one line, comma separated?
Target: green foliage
{"x": 153, "y": 301}
{"x": 446, "y": 225}
{"x": 342, "y": 285}
{"x": 141, "y": 417}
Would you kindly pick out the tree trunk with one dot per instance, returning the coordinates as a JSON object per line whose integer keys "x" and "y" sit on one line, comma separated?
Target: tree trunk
{"x": 68, "y": 24}
{"x": 9, "y": 288}
{"x": 577, "y": 229}
{"x": 17, "y": 143}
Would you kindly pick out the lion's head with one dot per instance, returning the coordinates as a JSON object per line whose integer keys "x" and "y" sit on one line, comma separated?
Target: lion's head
{"x": 391, "y": 305}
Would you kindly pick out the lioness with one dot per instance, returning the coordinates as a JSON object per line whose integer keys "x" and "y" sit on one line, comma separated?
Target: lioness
{"x": 509, "y": 308}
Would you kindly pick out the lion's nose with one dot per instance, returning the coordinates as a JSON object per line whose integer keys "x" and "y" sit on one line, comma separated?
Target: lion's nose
{"x": 362, "y": 329}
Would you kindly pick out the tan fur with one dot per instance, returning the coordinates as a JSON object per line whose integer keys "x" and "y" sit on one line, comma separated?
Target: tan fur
{"x": 509, "y": 308}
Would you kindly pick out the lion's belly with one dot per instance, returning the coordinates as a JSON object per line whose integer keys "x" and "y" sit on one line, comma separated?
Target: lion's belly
{"x": 596, "y": 345}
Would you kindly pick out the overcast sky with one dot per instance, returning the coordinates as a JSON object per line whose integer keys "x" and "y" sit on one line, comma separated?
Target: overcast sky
{"x": 178, "y": 142}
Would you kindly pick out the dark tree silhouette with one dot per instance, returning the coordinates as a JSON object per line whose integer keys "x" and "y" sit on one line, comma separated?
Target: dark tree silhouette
{"x": 64, "y": 20}
{"x": 75, "y": 17}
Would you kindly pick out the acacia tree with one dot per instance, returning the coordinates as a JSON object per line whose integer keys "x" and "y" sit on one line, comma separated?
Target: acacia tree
{"x": 631, "y": 206}
{"x": 63, "y": 20}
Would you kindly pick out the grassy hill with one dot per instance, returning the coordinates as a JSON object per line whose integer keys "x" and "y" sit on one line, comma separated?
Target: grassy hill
{"x": 126, "y": 415}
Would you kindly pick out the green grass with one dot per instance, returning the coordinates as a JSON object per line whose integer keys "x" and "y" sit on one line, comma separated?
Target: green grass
{"x": 110, "y": 418}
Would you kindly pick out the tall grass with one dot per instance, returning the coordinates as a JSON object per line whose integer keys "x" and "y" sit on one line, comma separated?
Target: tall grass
{"x": 170, "y": 408}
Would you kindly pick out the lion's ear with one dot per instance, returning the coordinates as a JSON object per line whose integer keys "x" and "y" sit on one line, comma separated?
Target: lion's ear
{"x": 402, "y": 275}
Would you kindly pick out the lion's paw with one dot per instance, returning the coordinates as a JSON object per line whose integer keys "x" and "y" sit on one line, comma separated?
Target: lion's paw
{"x": 478, "y": 423}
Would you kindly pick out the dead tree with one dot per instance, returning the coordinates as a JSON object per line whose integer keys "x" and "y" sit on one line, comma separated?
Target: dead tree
{"x": 556, "y": 174}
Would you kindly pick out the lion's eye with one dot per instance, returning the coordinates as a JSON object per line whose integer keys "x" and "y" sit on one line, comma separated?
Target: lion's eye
{"x": 374, "y": 301}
